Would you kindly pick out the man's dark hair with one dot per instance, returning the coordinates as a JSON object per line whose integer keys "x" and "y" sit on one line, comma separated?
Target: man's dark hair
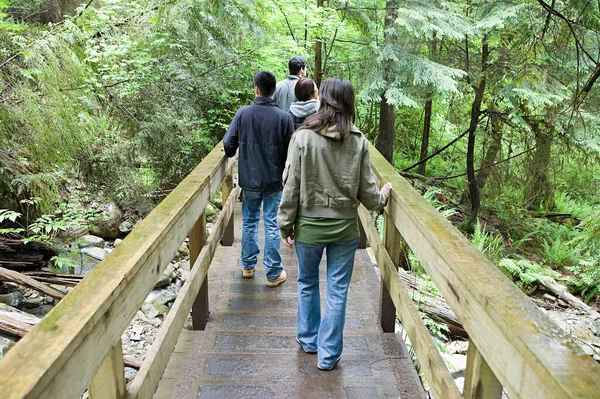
{"x": 266, "y": 83}
{"x": 304, "y": 89}
{"x": 295, "y": 64}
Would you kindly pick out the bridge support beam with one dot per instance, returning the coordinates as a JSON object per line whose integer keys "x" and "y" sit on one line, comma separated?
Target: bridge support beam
{"x": 197, "y": 239}
{"x": 396, "y": 248}
{"x": 480, "y": 381}
{"x": 109, "y": 381}
{"x": 226, "y": 188}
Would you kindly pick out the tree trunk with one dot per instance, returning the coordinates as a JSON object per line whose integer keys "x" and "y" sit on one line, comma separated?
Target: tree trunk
{"x": 386, "y": 136}
{"x": 491, "y": 153}
{"x": 475, "y": 113}
{"x": 385, "y": 139}
{"x": 427, "y": 121}
{"x": 319, "y": 54}
{"x": 425, "y": 137}
{"x": 539, "y": 193}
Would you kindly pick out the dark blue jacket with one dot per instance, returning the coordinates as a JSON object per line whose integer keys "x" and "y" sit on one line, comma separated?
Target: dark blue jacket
{"x": 262, "y": 132}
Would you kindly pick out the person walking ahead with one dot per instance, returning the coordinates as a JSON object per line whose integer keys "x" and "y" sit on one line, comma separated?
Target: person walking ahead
{"x": 284, "y": 95}
{"x": 262, "y": 132}
{"x": 327, "y": 176}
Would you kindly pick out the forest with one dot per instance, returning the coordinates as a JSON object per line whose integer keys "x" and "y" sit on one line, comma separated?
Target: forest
{"x": 489, "y": 108}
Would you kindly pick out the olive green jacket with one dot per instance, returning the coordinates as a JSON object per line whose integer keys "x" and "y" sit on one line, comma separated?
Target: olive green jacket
{"x": 327, "y": 177}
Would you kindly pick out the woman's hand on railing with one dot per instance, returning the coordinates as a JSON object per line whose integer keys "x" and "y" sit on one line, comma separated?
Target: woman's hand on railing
{"x": 289, "y": 241}
{"x": 386, "y": 189}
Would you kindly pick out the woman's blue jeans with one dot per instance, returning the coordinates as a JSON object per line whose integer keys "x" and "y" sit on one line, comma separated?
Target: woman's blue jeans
{"x": 324, "y": 334}
{"x": 251, "y": 204}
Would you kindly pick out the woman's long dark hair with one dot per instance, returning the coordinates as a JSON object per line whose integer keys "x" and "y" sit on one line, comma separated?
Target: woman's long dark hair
{"x": 336, "y": 97}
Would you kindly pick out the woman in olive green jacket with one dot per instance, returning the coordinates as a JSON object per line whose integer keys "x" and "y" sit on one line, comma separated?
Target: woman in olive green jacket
{"x": 327, "y": 176}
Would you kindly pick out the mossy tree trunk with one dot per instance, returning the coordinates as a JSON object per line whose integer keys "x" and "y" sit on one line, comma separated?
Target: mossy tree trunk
{"x": 491, "y": 153}
{"x": 387, "y": 121}
{"x": 473, "y": 187}
{"x": 539, "y": 190}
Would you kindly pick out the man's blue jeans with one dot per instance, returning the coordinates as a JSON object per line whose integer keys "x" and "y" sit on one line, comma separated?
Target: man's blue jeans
{"x": 251, "y": 203}
{"x": 326, "y": 334}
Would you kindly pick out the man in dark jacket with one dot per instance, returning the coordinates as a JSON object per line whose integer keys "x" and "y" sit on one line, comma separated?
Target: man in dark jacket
{"x": 262, "y": 133}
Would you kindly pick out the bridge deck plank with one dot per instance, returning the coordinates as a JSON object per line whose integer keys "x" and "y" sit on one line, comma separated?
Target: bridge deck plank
{"x": 249, "y": 349}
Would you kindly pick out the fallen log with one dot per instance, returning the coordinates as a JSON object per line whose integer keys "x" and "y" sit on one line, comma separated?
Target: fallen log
{"x": 16, "y": 325}
{"x": 18, "y": 255}
{"x": 69, "y": 280}
{"x": 21, "y": 279}
{"x": 434, "y": 307}
{"x": 563, "y": 293}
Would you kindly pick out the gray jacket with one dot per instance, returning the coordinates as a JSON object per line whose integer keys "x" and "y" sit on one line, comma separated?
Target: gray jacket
{"x": 284, "y": 95}
{"x": 325, "y": 177}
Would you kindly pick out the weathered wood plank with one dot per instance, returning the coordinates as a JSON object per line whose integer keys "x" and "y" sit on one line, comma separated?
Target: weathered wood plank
{"x": 391, "y": 242}
{"x": 109, "y": 381}
{"x": 146, "y": 381}
{"x": 73, "y": 339}
{"x": 432, "y": 364}
{"x": 200, "y": 306}
{"x": 480, "y": 381}
{"x": 26, "y": 281}
{"x": 532, "y": 357}
{"x": 226, "y": 188}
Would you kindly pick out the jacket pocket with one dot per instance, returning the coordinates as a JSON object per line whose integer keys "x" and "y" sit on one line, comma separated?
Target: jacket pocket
{"x": 316, "y": 196}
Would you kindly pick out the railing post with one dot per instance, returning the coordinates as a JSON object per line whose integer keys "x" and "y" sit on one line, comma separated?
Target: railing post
{"x": 200, "y": 307}
{"x": 109, "y": 381}
{"x": 480, "y": 381}
{"x": 396, "y": 248}
{"x": 226, "y": 188}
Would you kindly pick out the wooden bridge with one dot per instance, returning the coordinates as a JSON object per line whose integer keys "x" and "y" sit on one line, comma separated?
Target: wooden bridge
{"x": 243, "y": 344}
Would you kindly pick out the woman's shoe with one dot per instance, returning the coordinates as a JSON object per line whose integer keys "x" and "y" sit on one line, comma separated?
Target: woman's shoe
{"x": 311, "y": 352}
{"x": 329, "y": 368}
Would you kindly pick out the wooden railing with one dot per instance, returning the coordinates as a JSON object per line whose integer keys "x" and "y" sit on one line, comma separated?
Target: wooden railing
{"x": 77, "y": 346}
{"x": 512, "y": 343}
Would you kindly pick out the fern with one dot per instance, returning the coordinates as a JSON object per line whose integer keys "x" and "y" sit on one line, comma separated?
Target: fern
{"x": 526, "y": 274}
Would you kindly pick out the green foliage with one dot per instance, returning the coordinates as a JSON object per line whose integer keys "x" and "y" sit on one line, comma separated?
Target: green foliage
{"x": 526, "y": 274}
{"x": 491, "y": 245}
{"x": 46, "y": 227}
{"x": 586, "y": 279}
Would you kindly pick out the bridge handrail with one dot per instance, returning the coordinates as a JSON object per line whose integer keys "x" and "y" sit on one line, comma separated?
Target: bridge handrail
{"x": 78, "y": 344}
{"x": 528, "y": 354}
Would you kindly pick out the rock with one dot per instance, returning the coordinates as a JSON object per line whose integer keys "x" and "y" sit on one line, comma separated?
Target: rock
{"x": 13, "y": 299}
{"x": 151, "y": 310}
{"x": 185, "y": 265}
{"x": 31, "y": 303}
{"x": 184, "y": 274}
{"x": 40, "y": 311}
{"x": 130, "y": 374}
{"x": 459, "y": 347}
{"x": 107, "y": 226}
{"x": 459, "y": 362}
{"x": 89, "y": 240}
{"x": 117, "y": 242}
{"x": 125, "y": 227}
{"x": 96, "y": 253}
{"x": 184, "y": 250}
{"x": 596, "y": 329}
{"x": 596, "y": 358}
{"x": 166, "y": 277}
{"x": 210, "y": 210}
{"x": 6, "y": 342}
{"x": 164, "y": 299}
